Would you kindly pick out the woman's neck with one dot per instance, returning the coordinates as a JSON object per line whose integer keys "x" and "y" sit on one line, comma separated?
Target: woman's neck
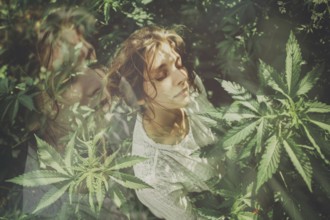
{"x": 166, "y": 126}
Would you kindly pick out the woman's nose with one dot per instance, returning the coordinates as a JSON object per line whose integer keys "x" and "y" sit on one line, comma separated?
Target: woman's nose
{"x": 180, "y": 75}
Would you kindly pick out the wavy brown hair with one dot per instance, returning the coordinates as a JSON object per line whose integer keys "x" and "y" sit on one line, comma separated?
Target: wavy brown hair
{"x": 130, "y": 61}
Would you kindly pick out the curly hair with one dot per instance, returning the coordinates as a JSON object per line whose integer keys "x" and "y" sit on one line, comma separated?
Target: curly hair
{"x": 131, "y": 59}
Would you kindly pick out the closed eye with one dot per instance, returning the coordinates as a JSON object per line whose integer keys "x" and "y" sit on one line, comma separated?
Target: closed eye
{"x": 161, "y": 75}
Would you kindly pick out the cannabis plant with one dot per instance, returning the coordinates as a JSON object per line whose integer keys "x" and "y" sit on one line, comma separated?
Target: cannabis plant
{"x": 265, "y": 131}
{"x": 78, "y": 173}
{"x": 279, "y": 121}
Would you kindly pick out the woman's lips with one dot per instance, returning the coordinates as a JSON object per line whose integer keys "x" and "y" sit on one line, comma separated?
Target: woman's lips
{"x": 183, "y": 92}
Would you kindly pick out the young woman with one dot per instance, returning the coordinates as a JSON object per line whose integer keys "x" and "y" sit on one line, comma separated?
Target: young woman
{"x": 66, "y": 55}
{"x": 151, "y": 62}
{"x": 69, "y": 81}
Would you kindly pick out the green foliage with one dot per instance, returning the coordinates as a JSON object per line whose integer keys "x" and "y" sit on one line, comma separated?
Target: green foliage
{"x": 279, "y": 124}
{"x": 225, "y": 39}
{"x": 76, "y": 174}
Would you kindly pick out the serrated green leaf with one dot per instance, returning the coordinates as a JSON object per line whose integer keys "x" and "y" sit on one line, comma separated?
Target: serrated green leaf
{"x": 268, "y": 76}
{"x": 51, "y": 196}
{"x": 127, "y": 161}
{"x": 317, "y": 107}
{"x": 320, "y": 124}
{"x": 39, "y": 178}
{"x": 237, "y": 134}
{"x": 269, "y": 161}
{"x": 315, "y": 145}
{"x": 300, "y": 161}
{"x": 236, "y": 91}
{"x": 292, "y": 63}
{"x": 49, "y": 156}
{"x": 309, "y": 80}
{"x": 128, "y": 180}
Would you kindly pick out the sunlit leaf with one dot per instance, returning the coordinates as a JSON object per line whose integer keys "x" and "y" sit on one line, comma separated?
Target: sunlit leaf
{"x": 236, "y": 91}
{"x": 292, "y": 63}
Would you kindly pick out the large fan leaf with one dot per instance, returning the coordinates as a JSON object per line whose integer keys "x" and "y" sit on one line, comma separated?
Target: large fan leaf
{"x": 236, "y": 91}
{"x": 127, "y": 161}
{"x": 300, "y": 161}
{"x": 128, "y": 180}
{"x": 39, "y": 178}
{"x": 269, "y": 162}
{"x": 238, "y": 134}
{"x": 292, "y": 63}
{"x": 51, "y": 196}
{"x": 49, "y": 156}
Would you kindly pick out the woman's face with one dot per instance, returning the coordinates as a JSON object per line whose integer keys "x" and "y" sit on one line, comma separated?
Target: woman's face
{"x": 71, "y": 46}
{"x": 166, "y": 81}
{"x": 88, "y": 88}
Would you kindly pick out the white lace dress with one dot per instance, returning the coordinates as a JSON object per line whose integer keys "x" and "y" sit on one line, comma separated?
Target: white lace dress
{"x": 172, "y": 171}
